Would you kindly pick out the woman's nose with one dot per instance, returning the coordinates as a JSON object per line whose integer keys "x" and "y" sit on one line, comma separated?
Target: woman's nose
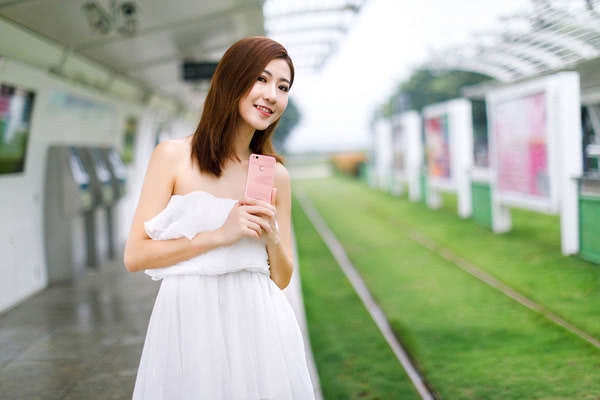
{"x": 270, "y": 93}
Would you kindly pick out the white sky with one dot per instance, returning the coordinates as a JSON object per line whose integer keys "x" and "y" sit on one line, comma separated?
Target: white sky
{"x": 388, "y": 39}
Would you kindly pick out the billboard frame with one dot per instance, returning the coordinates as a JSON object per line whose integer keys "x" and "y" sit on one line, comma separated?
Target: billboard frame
{"x": 546, "y": 87}
{"x": 460, "y": 137}
{"x": 564, "y": 158}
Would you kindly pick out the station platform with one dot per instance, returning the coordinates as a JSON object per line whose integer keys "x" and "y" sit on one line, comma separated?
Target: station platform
{"x": 77, "y": 341}
{"x": 84, "y": 340}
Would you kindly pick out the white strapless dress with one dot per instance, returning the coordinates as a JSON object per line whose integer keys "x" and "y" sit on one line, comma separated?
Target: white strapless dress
{"x": 220, "y": 328}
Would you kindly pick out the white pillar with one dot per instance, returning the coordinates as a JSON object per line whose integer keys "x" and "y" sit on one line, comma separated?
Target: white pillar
{"x": 383, "y": 153}
{"x": 461, "y": 153}
{"x": 569, "y": 145}
{"x": 414, "y": 156}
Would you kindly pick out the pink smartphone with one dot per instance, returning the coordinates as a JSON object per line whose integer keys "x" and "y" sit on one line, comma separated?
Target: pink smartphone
{"x": 261, "y": 173}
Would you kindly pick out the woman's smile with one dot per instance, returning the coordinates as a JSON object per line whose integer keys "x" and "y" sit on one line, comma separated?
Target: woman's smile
{"x": 264, "y": 110}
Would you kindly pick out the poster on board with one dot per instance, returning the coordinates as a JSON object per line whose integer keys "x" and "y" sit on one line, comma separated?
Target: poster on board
{"x": 521, "y": 137}
{"x": 16, "y": 107}
{"x": 438, "y": 147}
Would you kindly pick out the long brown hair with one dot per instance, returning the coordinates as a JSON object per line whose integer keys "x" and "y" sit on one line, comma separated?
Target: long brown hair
{"x": 236, "y": 73}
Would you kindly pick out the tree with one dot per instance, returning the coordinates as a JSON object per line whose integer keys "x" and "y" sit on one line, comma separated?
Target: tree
{"x": 426, "y": 86}
{"x": 291, "y": 117}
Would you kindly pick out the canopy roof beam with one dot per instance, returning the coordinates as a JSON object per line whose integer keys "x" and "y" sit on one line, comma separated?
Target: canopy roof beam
{"x": 284, "y": 19}
{"x": 495, "y": 56}
{"x": 556, "y": 35}
{"x": 497, "y": 72}
{"x": 349, "y": 7}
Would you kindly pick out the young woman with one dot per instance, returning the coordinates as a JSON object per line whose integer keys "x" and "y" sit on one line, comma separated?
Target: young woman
{"x": 221, "y": 327}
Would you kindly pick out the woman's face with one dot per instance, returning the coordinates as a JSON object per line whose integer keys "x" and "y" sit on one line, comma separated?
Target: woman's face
{"x": 268, "y": 98}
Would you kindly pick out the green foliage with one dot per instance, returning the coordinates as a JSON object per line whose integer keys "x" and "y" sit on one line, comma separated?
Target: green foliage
{"x": 288, "y": 122}
{"x": 470, "y": 341}
{"x": 353, "y": 359}
{"x": 426, "y": 86}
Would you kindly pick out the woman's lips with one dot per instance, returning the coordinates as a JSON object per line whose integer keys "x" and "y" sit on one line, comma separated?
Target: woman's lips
{"x": 263, "y": 112}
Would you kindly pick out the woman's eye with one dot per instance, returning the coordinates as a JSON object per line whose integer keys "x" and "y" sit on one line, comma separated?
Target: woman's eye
{"x": 284, "y": 88}
{"x": 262, "y": 79}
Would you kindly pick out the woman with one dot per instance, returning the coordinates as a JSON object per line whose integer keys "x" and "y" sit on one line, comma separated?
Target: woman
{"x": 221, "y": 327}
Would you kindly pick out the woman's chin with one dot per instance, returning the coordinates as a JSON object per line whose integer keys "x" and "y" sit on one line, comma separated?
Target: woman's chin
{"x": 261, "y": 126}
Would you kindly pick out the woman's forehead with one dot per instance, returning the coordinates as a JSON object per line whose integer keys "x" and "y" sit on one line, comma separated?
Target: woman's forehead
{"x": 279, "y": 68}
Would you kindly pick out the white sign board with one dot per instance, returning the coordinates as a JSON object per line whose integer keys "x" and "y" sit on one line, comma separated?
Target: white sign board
{"x": 407, "y": 154}
{"x": 535, "y": 151}
{"x": 449, "y": 148}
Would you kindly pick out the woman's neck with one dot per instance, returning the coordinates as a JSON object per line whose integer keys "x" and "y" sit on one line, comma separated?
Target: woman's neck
{"x": 241, "y": 145}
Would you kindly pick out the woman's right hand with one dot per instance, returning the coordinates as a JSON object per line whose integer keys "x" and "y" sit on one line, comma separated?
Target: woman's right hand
{"x": 244, "y": 221}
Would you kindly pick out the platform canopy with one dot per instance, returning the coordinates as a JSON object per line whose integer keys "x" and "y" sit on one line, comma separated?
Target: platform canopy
{"x": 311, "y": 30}
{"x": 143, "y": 40}
{"x": 545, "y": 36}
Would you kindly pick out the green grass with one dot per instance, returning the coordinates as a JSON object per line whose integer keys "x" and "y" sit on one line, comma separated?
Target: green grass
{"x": 528, "y": 258}
{"x": 471, "y": 341}
{"x": 353, "y": 359}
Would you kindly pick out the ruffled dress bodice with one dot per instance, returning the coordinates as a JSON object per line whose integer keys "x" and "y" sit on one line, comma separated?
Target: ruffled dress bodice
{"x": 185, "y": 216}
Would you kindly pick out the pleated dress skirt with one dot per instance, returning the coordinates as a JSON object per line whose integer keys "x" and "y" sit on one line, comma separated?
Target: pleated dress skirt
{"x": 220, "y": 328}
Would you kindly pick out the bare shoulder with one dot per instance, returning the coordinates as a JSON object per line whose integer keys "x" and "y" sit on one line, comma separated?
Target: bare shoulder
{"x": 168, "y": 151}
{"x": 282, "y": 182}
{"x": 170, "y": 154}
{"x": 178, "y": 145}
{"x": 158, "y": 184}
{"x": 281, "y": 172}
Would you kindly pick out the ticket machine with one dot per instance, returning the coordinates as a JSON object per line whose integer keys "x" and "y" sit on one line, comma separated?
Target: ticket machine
{"x": 67, "y": 198}
{"x": 118, "y": 174}
{"x": 96, "y": 219}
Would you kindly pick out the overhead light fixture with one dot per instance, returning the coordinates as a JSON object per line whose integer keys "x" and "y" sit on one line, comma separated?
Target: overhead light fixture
{"x": 128, "y": 13}
{"x": 121, "y": 18}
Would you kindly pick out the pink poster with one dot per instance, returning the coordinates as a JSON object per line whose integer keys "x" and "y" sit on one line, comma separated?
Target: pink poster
{"x": 521, "y": 146}
{"x": 438, "y": 147}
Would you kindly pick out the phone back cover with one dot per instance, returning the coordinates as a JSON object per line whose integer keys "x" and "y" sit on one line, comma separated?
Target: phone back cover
{"x": 261, "y": 173}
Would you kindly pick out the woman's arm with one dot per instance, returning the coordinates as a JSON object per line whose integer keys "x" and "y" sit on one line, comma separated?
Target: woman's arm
{"x": 141, "y": 252}
{"x": 279, "y": 246}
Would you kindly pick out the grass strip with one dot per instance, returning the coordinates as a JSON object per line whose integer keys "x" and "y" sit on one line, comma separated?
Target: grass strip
{"x": 353, "y": 359}
{"x": 528, "y": 258}
{"x": 470, "y": 341}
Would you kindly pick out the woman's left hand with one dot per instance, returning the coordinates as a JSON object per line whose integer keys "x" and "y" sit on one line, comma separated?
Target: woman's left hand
{"x": 268, "y": 223}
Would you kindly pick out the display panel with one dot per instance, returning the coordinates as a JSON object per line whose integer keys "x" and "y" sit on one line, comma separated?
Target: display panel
{"x": 480, "y": 134}
{"x": 520, "y": 130}
{"x": 438, "y": 147}
{"x": 79, "y": 174}
{"x": 590, "y": 126}
{"x": 16, "y": 106}
{"x": 536, "y": 151}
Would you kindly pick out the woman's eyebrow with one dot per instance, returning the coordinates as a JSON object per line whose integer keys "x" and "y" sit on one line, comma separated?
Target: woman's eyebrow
{"x": 281, "y": 79}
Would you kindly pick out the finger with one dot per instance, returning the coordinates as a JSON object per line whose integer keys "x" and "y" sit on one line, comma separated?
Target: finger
{"x": 273, "y": 196}
{"x": 254, "y": 226}
{"x": 259, "y": 210}
{"x": 251, "y": 201}
{"x": 252, "y": 233}
{"x": 262, "y": 222}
